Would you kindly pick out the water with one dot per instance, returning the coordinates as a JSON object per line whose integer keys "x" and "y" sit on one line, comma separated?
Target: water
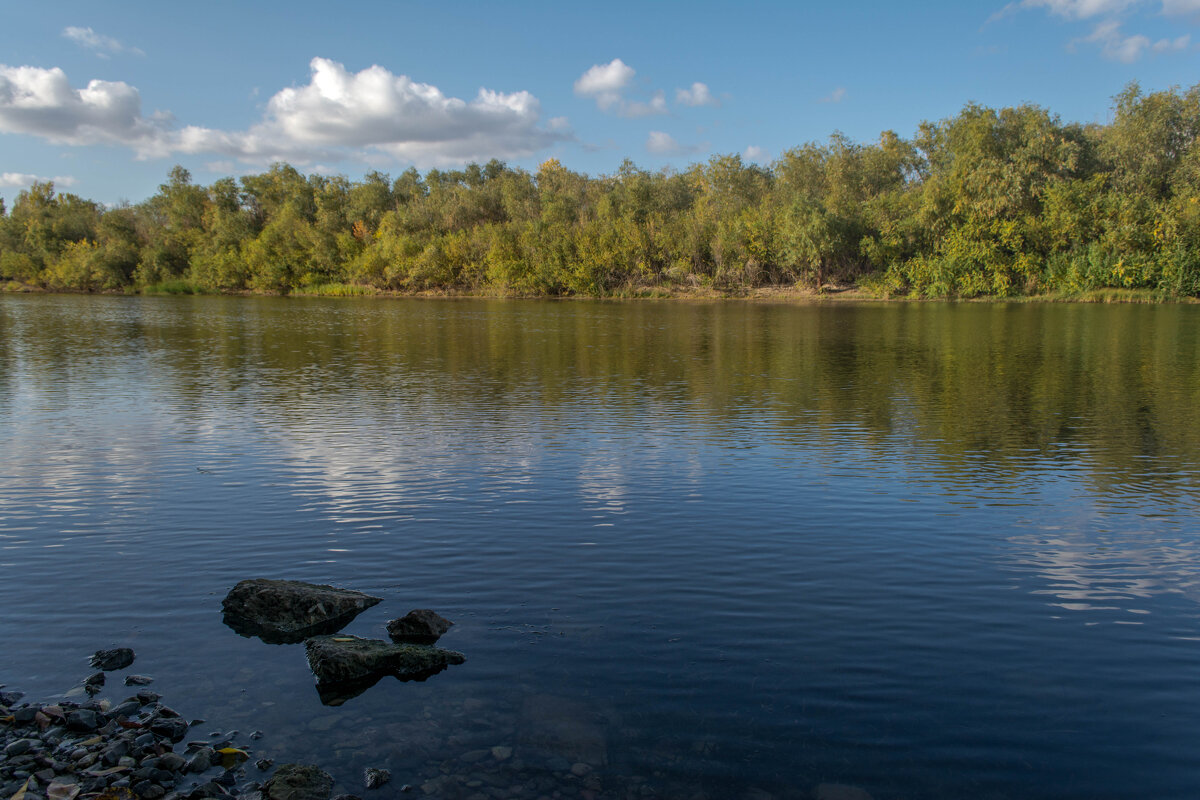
{"x": 932, "y": 551}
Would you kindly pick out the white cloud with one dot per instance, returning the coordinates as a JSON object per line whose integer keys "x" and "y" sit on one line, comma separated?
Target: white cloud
{"x": 41, "y": 102}
{"x": 23, "y": 179}
{"x": 698, "y": 95}
{"x": 101, "y": 45}
{"x": 1116, "y": 46}
{"x": 756, "y": 154}
{"x": 633, "y": 110}
{"x": 606, "y": 83}
{"x": 664, "y": 144}
{"x": 836, "y": 96}
{"x": 337, "y": 114}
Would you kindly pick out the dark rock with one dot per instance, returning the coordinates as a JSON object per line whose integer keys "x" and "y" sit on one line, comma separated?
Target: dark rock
{"x": 420, "y": 626}
{"x": 138, "y": 680}
{"x": 25, "y": 715}
{"x": 10, "y": 698}
{"x": 264, "y": 764}
{"x": 127, "y": 709}
{"x": 113, "y": 753}
{"x": 109, "y": 660}
{"x": 374, "y": 778}
{"x": 347, "y": 797}
{"x": 299, "y": 782}
{"x": 83, "y": 720}
{"x": 172, "y": 728}
{"x": 146, "y": 697}
{"x": 202, "y": 760}
{"x": 172, "y": 761}
{"x": 20, "y": 747}
{"x": 94, "y": 680}
{"x": 286, "y": 612}
{"x": 335, "y": 659}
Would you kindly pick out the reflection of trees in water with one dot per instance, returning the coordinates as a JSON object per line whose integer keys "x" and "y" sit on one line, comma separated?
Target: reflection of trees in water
{"x": 970, "y": 390}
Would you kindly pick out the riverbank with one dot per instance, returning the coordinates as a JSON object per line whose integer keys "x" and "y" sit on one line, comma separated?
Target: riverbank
{"x": 775, "y": 294}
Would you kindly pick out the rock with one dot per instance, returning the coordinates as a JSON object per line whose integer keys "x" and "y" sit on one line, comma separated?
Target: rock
{"x": 19, "y": 748}
{"x": 347, "y": 797}
{"x": 350, "y": 659}
{"x": 840, "y": 791}
{"x": 264, "y": 764}
{"x": 580, "y": 769}
{"x": 96, "y": 679}
{"x": 374, "y": 778}
{"x": 501, "y": 753}
{"x": 172, "y": 728}
{"x": 172, "y": 761}
{"x": 420, "y": 626}
{"x": 298, "y": 782}
{"x": 138, "y": 680}
{"x": 286, "y": 612}
{"x": 83, "y": 720}
{"x": 110, "y": 660}
{"x": 10, "y": 698}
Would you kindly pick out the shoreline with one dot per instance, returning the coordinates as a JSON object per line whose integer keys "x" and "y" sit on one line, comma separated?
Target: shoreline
{"x": 765, "y": 294}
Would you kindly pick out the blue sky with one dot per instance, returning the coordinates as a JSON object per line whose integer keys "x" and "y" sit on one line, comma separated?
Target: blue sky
{"x": 106, "y": 97}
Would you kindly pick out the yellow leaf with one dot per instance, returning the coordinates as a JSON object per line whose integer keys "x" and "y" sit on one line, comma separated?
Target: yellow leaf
{"x": 228, "y": 751}
{"x": 343, "y": 638}
{"x": 20, "y": 795}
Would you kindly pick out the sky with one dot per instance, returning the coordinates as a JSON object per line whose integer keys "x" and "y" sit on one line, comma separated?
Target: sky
{"x": 104, "y": 98}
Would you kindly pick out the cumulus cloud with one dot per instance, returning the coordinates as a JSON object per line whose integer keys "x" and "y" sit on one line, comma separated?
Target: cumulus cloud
{"x": 697, "y": 95}
{"x": 836, "y": 96}
{"x": 41, "y": 102}
{"x": 378, "y": 110}
{"x": 606, "y": 84}
{"x": 755, "y": 153}
{"x": 338, "y": 113}
{"x": 101, "y": 45}
{"x": 664, "y": 144}
{"x": 23, "y": 179}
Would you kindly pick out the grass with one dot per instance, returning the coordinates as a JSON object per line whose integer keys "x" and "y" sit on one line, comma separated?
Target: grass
{"x": 335, "y": 290}
{"x": 175, "y": 287}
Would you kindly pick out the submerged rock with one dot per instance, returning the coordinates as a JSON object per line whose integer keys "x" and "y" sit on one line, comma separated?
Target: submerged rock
{"x": 374, "y": 778}
{"x": 298, "y": 782}
{"x": 286, "y": 612}
{"x": 110, "y": 660}
{"x": 346, "y": 666}
{"x": 420, "y": 626}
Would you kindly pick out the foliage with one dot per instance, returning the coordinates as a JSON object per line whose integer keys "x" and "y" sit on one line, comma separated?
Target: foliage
{"x": 1009, "y": 202}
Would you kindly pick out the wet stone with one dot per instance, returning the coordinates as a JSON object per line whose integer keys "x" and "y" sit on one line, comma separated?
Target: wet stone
{"x": 420, "y": 626}
{"x": 83, "y": 720}
{"x": 20, "y": 747}
{"x": 110, "y": 660}
{"x": 138, "y": 680}
{"x": 299, "y": 782}
{"x": 287, "y": 612}
{"x": 374, "y": 777}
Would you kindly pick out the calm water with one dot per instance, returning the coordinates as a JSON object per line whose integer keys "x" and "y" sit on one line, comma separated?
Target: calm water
{"x": 933, "y": 551}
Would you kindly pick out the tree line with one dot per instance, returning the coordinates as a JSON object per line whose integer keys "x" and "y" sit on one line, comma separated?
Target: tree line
{"x": 987, "y": 203}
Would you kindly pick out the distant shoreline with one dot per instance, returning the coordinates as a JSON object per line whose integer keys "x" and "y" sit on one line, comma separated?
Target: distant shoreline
{"x": 771, "y": 294}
